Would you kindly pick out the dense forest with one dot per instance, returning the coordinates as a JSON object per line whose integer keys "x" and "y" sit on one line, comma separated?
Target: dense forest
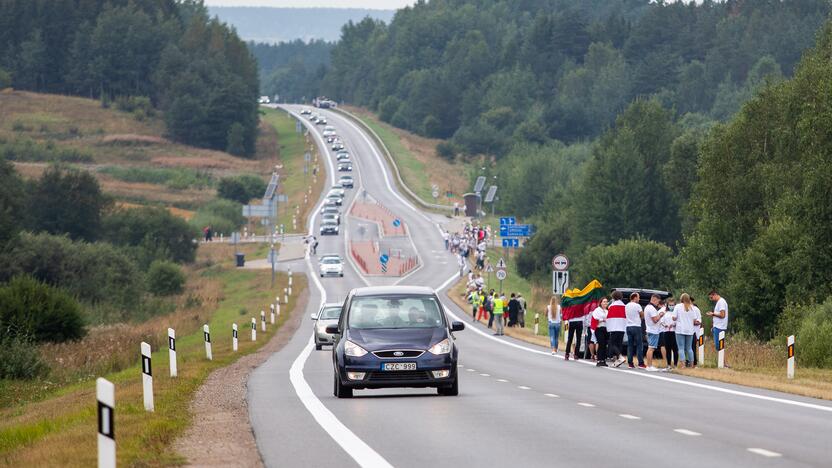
{"x": 292, "y": 70}
{"x": 167, "y": 53}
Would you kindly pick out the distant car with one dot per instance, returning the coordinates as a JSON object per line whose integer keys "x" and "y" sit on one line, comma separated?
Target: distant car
{"x": 329, "y": 227}
{"x": 331, "y": 265}
{"x": 329, "y": 314}
{"x": 336, "y": 198}
{"x": 346, "y": 181}
{"x": 331, "y": 216}
{"x": 394, "y": 336}
{"x": 332, "y": 139}
{"x": 329, "y": 135}
{"x": 332, "y": 210}
{"x": 345, "y": 167}
{"x": 306, "y": 112}
{"x": 339, "y": 189}
{"x": 342, "y": 156}
{"x": 320, "y": 121}
{"x": 313, "y": 118}
{"x": 338, "y": 146}
{"x": 329, "y": 128}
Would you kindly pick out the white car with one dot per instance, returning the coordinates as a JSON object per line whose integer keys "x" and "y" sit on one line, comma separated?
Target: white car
{"x": 331, "y": 265}
{"x": 328, "y": 315}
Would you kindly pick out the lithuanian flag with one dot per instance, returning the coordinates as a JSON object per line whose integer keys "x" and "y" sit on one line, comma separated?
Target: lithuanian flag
{"x": 579, "y": 302}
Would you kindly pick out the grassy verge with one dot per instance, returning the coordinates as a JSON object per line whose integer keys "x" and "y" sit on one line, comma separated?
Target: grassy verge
{"x": 59, "y": 429}
{"x": 301, "y": 189}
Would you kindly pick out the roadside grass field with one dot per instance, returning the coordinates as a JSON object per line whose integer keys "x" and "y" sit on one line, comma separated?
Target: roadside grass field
{"x": 291, "y": 147}
{"x": 418, "y": 162}
{"x": 60, "y": 428}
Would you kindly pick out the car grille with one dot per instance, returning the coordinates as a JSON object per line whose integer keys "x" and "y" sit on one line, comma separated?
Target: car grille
{"x": 391, "y": 376}
{"x": 406, "y": 353}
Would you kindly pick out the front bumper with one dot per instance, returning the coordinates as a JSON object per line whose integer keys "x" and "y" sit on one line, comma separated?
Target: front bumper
{"x": 375, "y": 377}
{"x": 332, "y": 272}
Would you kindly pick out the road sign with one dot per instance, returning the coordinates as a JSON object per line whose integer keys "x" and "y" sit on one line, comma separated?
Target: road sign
{"x": 560, "y": 262}
{"x": 383, "y": 259}
{"x": 397, "y": 222}
{"x": 435, "y": 193}
{"x": 489, "y": 269}
{"x": 515, "y": 230}
{"x": 508, "y": 220}
{"x": 560, "y": 282}
{"x": 272, "y": 257}
{"x": 479, "y": 184}
{"x": 501, "y": 275}
{"x": 257, "y": 211}
{"x": 501, "y": 264}
{"x": 307, "y": 156}
{"x": 384, "y": 268}
{"x": 235, "y": 237}
{"x": 511, "y": 242}
{"x": 489, "y": 196}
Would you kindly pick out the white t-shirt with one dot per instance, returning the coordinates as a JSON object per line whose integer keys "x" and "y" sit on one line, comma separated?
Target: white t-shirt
{"x": 650, "y": 312}
{"x": 600, "y": 315}
{"x": 721, "y": 323}
{"x": 685, "y": 318}
{"x": 668, "y": 322}
{"x": 633, "y": 311}
{"x": 549, "y": 314}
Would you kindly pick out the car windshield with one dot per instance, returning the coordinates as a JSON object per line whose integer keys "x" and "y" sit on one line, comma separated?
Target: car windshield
{"x": 330, "y": 313}
{"x": 395, "y": 312}
{"x": 331, "y": 261}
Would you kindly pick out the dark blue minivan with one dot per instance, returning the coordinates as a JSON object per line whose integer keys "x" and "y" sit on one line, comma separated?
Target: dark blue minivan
{"x": 394, "y": 336}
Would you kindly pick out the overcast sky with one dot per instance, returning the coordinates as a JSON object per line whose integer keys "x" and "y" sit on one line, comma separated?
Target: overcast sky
{"x": 376, "y": 4}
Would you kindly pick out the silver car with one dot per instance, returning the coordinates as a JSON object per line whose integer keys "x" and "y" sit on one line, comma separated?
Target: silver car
{"x": 328, "y": 315}
{"x": 331, "y": 265}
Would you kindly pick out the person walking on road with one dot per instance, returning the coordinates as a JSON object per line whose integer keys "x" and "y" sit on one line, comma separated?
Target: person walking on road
{"x": 554, "y": 318}
{"x": 686, "y": 323}
{"x": 513, "y": 310}
{"x": 498, "y": 315}
{"x": 667, "y": 340}
{"x": 576, "y": 328}
{"x": 720, "y": 316}
{"x": 635, "y": 340}
{"x": 652, "y": 318}
{"x": 616, "y": 326}
{"x": 598, "y": 325}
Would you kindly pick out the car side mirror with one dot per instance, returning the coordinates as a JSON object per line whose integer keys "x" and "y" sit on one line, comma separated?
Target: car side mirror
{"x": 457, "y": 326}
{"x": 314, "y": 316}
{"x": 332, "y": 329}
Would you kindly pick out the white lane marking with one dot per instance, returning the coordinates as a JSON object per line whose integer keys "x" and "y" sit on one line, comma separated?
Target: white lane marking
{"x": 646, "y": 375}
{"x": 460, "y": 365}
{"x": 523, "y": 387}
{"x": 551, "y": 395}
{"x": 687, "y": 432}
{"x": 764, "y": 452}
{"x": 471, "y": 370}
{"x": 586, "y": 405}
{"x": 502, "y": 380}
{"x": 486, "y": 375}
{"x": 629, "y": 416}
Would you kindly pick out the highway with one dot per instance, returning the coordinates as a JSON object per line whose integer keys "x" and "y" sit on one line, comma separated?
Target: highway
{"x": 518, "y": 405}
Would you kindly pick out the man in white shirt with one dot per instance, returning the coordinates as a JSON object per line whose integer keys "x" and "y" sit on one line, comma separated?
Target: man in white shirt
{"x": 652, "y": 319}
{"x": 720, "y": 316}
{"x": 635, "y": 340}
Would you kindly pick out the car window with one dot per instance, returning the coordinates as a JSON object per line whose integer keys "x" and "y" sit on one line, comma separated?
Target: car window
{"x": 331, "y": 260}
{"x": 330, "y": 313}
{"x": 395, "y": 312}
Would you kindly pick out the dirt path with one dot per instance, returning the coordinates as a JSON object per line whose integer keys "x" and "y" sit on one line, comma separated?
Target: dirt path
{"x": 221, "y": 434}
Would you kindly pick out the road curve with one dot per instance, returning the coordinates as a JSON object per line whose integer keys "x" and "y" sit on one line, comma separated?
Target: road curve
{"x": 518, "y": 405}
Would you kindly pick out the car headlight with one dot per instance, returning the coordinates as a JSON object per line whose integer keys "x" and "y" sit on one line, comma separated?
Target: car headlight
{"x": 352, "y": 349}
{"x": 443, "y": 347}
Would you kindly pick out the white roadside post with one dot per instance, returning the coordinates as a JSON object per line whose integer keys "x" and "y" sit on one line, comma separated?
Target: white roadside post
{"x": 285, "y": 295}
{"x": 790, "y": 361}
{"x": 271, "y": 317}
{"x": 536, "y": 322}
{"x": 277, "y": 305}
{"x": 721, "y": 354}
{"x": 105, "y": 393}
{"x": 234, "y": 337}
{"x": 701, "y": 346}
{"x": 206, "y": 334}
{"x": 172, "y": 351}
{"x": 253, "y": 329}
{"x": 147, "y": 377}
{"x": 263, "y": 321}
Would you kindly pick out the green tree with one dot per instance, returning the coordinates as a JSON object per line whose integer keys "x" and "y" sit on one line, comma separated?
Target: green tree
{"x": 636, "y": 263}
{"x": 12, "y": 202}
{"x": 165, "y": 278}
{"x": 236, "y": 140}
{"x": 67, "y": 201}
{"x": 32, "y": 63}
{"x": 30, "y": 308}
{"x": 154, "y": 233}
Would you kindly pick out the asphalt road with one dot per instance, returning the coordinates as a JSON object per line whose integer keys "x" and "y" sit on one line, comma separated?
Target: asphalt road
{"x": 518, "y": 405}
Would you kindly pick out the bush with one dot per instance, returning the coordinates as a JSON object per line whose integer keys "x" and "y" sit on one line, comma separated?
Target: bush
{"x": 446, "y": 150}
{"x": 638, "y": 263}
{"x": 165, "y": 278}
{"x": 154, "y": 233}
{"x": 812, "y": 336}
{"x": 224, "y": 216}
{"x": 5, "y": 79}
{"x": 19, "y": 358}
{"x": 27, "y": 150}
{"x": 67, "y": 201}
{"x": 176, "y": 178}
{"x": 242, "y": 188}
{"x": 31, "y": 308}
{"x": 139, "y": 106}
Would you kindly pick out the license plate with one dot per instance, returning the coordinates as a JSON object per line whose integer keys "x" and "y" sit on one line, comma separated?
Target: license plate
{"x": 398, "y": 366}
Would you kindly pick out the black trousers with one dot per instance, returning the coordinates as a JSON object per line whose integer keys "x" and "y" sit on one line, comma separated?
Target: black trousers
{"x": 601, "y": 336}
{"x": 616, "y": 342}
{"x": 490, "y": 318}
{"x": 575, "y": 330}
{"x": 671, "y": 349}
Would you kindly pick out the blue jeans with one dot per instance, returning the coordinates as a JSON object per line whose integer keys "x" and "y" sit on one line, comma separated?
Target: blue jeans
{"x": 635, "y": 341}
{"x": 685, "y": 344}
{"x": 554, "y": 333}
{"x": 716, "y": 337}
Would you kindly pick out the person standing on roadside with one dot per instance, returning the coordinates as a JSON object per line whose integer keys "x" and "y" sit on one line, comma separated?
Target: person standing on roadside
{"x": 489, "y": 307}
{"x": 576, "y": 327}
{"x": 686, "y": 323}
{"x": 498, "y": 315}
{"x": 652, "y": 318}
{"x": 720, "y": 316}
{"x": 635, "y": 341}
{"x": 513, "y": 310}
{"x": 474, "y": 300}
{"x": 598, "y": 325}
{"x": 554, "y": 318}
{"x": 668, "y": 336}
{"x": 522, "y": 317}
{"x": 616, "y": 326}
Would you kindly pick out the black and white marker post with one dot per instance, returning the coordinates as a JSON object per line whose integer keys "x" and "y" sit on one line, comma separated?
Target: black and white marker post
{"x": 271, "y": 317}
{"x": 701, "y": 345}
{"x": 172, "y": 351}
{"x": 790, "y": 358}
{"x": 253, "y": 329}
{"x": 285, "y": 295}
{"x": 105, "y": 393}
{"x": 263, "y": 321}
{"x": 147, "y": 378}
{"x": 234, "y": 337}
{"x": 206, "y": 333}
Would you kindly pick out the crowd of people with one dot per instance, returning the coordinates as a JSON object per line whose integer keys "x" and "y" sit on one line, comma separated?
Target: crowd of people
{"x": 471, "y": 241}
{"x": 671, "y": 328}
{"x": 501, "y": 311}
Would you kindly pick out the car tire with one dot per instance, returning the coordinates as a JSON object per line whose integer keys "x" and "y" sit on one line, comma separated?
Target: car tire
{"x": 322, "y": 275}
{"x": 341, "y": 275}
{"x": 452, "y": 390}
{"x": 339, "y": 390}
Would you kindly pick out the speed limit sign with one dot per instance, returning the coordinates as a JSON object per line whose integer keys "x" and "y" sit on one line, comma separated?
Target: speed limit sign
{"x": 501, "y": 274}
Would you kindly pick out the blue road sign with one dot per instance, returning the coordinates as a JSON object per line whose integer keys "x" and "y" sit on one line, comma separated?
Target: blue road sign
{"x": 508, "y": 220}
{"x": 383, "y": 259}
{"x": 397, "y": 222}
{"x": 511, "y": 242}
{"x": 515, "y": 230}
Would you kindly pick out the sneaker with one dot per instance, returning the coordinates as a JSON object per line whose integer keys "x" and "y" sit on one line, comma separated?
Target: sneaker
{"x": 601, "y": 364}
{"x": 642, "y": 366}
{"x": 651, "y": 369}
{"x": 631, "y": 366}
{"x": 553, "y": 353}
{"x": 620, "y": 361}
{"x": 566, "y": 357}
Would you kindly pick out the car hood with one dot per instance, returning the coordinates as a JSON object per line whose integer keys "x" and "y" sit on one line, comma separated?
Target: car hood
{"x": 397, "y": 338}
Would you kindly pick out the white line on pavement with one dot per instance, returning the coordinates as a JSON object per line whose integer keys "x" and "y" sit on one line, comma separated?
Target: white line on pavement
{"x": 687, "y": 432}
{"x": 523, "y": 387}
{"x": 471, "y": 370}
{"x": 502, "y": 380}
{"x": 486, "y": 375}
{"x": 586, "y": 405}
{"x": 629, "y": 416}
{"x": 764, "y": 452}
{"x": 551, "y": 395}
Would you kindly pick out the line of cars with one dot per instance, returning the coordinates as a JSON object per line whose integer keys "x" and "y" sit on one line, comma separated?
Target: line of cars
{"x": 314, "y": 117}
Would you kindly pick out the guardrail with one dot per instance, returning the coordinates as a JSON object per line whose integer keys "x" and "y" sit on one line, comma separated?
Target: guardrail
{"x": 399, "y": 181}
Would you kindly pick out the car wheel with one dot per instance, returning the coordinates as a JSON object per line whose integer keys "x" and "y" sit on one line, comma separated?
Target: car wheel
{"x": 341, "y": 275}
{"x": 453, "y": 390}
{"x": 340, "y": 390}
{"x": 322, "y": 275}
